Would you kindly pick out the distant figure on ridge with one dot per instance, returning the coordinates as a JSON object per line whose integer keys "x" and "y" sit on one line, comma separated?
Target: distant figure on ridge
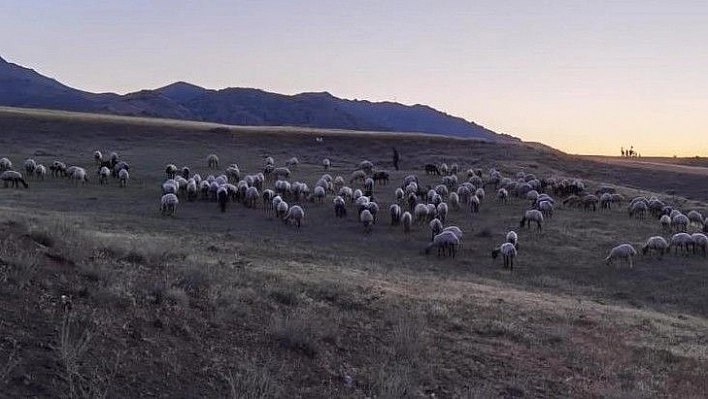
{"x": 396, "y": 158}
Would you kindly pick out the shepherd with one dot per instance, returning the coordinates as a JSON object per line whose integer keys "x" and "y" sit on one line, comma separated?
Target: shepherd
{"x": 395, "y": 158}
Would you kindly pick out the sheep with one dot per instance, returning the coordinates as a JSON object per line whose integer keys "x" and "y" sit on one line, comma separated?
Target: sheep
{"x": 281, "y": 208}
{"x": 479, "y": 193}
{"x": 455, "y": 230}
{"x": 292, "y": 162}
{"x": 665, "y": 221}
{"x": 369, "y": 187}
{"x": 191, "y": 190}
{"x": 657, "y": 244}
{"x": 474, "y": 204}
{"x": 168, "y": 204}
{"x": 396, "y": 212}
{"x": 508, "y": 251}
{"x": 123, "y": 177}
{"x": 682, "y": 240}
{"x": 251, "y": 198}
{"x": 281, "y": 172}
{"x": 512, "y": 238}
{"x": 454, "y": 201}
{"x": 5, "y": 164}
{"x": 694, "y": 217}
{"x": 212, "y": 161}
{"x": 103, "y": 175}
{"x": 622, "y": 251}
{"x": 373, "y": 208}
{"x": 366, "y": 167}
{"x": 680, "y": 222}
{"x": 326, "y": 163}
{"x": 421, "y": 213}
{"x": 113, "y": 156}
{"x": 57, "y": 168}
{"x": 442, "y": 210}
{"x": 40, "y": 171}
{"x": 171, "y": 171}
{"x": 432, "y": 169}
{"x": 30, "y": 166}
{"x": 79, "y": 174}
{"x": 432, "y": 212}
{"x": 638, "y": 209}
{"x": 13, "y": 178}
{"x": 367, "y": 219}
{"x": 295, "y": 215}
{"x": 532, "y": 215}
{"x": 446, "y": 243}
{"x": 503, "y": 195}
{"x": 340, "y": 207}
{"x": 319, "y": 193}
{"x": 407, "y": 221}
{"x": 97, "y": 157}
{"x": 233, "y": 173}
{"x": 700, "y": 240}
{"x": 436, "y": 227}
{"x": 546, "y": 208}
{"x": 357, "y": 175}
{"x": 268, "y": 161}
{"x": 381, "y": 177}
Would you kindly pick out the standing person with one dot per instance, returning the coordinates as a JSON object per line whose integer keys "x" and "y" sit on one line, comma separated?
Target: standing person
{"x": 396, "y": 158}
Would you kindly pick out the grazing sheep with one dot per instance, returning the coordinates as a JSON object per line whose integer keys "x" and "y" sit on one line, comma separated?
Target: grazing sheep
{"x": 442, "y": 211}
{"x": 319, "y": 194}
{"x": 192, "y": 191}
{"x": 251, "y": 199}
{"x": 474, "y": 204}
{"x": 326, "y": 163}
{"x": 532, "y": 215}
{"x": 367, "y": 219}
{"x": 357, "y": 175}
{"x": 407, "y": 221}
{"x": 123, "y": 177}
{"x": 695, "y": 217}
{"x": 508, "y": 251}
{"x": 171, "y": 171}
{"x": 700, "y": 240}
{"x": 455, "y": 230}
{"x": 638, "y": 209}
{"x": 682, "y": 240}
{"x": 656, "y": 244}
{"x": 366, "y": 166}
{"x": 421, "y": 213}
{"x": 212, "y": 161}
{"x": 665, "y": 221}
{"x": 436, "y": 227}
{"x": 78, "y": 174}
{"x": 281, "y": 207}
{"x": 381, "y": 177}
{"x": 103, "y": 175}
{"x": 295, "y": 215}
{"x": 13, "y": 178}
{"x": 97, "y": 157}
{"x": 454, "y": 201}
{"x": 503, "y": 195}
{"x": 233, "y": 173}
{"x": 168, "y": 204}
{"x": 446, "y": 243}
{"x": 340, "y": 207}
{"x": 268, "y": 161}
{"x": 292, "y": 162}
{"x": 396, "y": 213}
{"x": 222, "y": 196}
{"x": 680, "y": 222}
{"x": 546, "y": 208}
{"x": 622, "y": 251}
{"x": 281, "y": 172}
{"x": 40, "y": 171}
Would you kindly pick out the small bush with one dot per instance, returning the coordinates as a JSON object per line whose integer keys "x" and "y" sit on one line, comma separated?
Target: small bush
{"x": 294, "y": 332}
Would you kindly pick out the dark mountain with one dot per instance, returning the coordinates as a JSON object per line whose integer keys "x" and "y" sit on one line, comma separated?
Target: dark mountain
{"x": 23, "y": 87}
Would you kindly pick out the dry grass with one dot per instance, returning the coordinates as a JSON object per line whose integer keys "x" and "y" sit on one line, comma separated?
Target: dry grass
{"x": 240, "y": 305}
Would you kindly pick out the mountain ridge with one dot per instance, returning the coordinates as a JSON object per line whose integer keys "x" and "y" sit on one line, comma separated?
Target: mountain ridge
{"x": 24, "y": 87}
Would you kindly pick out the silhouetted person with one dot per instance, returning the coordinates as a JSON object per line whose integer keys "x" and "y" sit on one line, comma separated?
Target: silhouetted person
{"x": 622, "y": 149}
{"x": 396, "y": 158}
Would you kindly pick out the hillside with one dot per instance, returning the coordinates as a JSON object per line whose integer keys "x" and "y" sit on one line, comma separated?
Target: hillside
{"x": 23, "y": 87}
{"x": 101, "y": 295}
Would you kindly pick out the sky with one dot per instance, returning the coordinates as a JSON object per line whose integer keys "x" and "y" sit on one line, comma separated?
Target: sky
{"x": 586, "y": 77}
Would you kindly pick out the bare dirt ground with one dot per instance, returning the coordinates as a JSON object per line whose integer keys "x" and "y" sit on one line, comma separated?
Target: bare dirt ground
{"x": 100, "y": 295}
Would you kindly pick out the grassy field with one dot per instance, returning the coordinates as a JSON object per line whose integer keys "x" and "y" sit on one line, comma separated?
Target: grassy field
{"x": 102, "y": 296}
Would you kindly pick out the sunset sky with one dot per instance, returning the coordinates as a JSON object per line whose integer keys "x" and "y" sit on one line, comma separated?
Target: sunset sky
{"x": 583, "y": 76}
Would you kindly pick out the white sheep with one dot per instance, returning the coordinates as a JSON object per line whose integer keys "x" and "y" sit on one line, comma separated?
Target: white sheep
{"x": 103, "y": 174}
{"x": 367, "y": 219}
{"x": 396, "y": 213}
{"x": 292, "y": 162}
{"x": 622, "y": 251}
{"x": 454, "y": 201}
{"x": 13, "y": 178}
{"x": 682, "y": 240}
{"x": 168, "y": 204}
{"x": 295, "y": 215}
{"x": 97, "y": 157}
{"x": 455, "y": 230}
{"x": 5, "y": 164}
{"x": 326, "y": 163}
{"x": 546, "y": 208}
{"x": 30, "y": 166}
{"x": 446, "y": 243}
{"x": 421, "y": 213}
{"x": 680, "y": 222}
{"x": 442, "y": 210}
{"x": 474, "y": 204}
{"x": 512, "y": 238}
{"x": 656, "y": 244}
{"x": 436, "y": 227}
{"x": 123, "y": 177}
{"x": 695, "y": 217}
{"x": 503, "y": 195}
{"x": 508, "y": 251}
{"x": 407, "y": 221}
{"x": 212, "y": 161}
{"x": 532, "y": 215}
{"x": 319, "y": 193}
{"x": 281, "y": 207}
{"x": 700, "y": 240}
{"x": 665, "y": 221}
{"x": 251, "y": 199}
{"x": 78, "y": 174}
{"x": 40, "y": 171}
{"x": 340, "y": 207}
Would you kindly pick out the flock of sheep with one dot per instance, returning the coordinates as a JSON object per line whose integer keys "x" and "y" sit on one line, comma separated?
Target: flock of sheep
{"x": 414, "y": 204}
